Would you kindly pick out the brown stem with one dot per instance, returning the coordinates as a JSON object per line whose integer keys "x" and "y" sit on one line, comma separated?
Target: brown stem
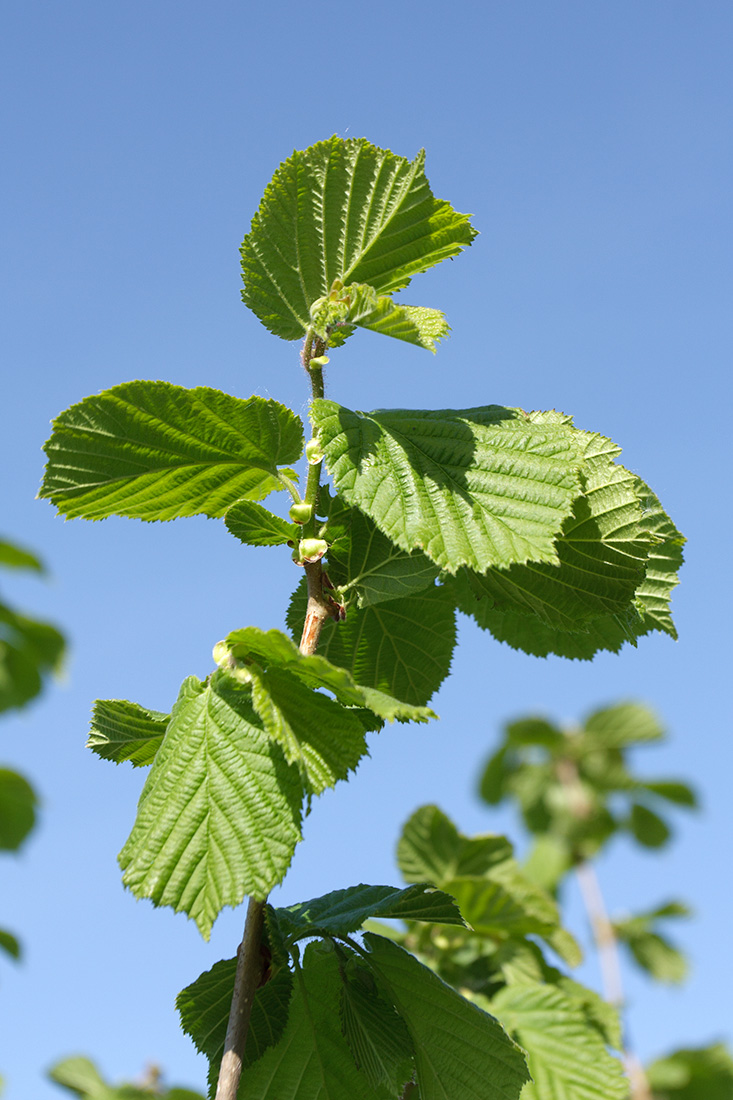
{"x": 249, "y": 960}
{"x": 246, "y": 981}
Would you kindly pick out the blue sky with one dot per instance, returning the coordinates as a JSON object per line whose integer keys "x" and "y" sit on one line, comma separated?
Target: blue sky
{"x": 591, "y": 143}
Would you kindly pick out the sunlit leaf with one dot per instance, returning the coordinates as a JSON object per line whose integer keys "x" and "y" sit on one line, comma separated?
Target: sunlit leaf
{"x": 155, "y": 451}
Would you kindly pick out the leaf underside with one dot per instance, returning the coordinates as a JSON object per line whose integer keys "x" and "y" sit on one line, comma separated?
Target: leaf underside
{"x": 126, "y": 731}
{"x": 219, "y": 816}
{"x": 204, "y": 1010}
{"x": 460, "y": 1051}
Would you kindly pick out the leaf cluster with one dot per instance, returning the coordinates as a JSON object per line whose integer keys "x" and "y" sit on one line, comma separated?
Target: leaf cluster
{"x": 520, "y": 520}
{"x": 397, "y": 1023}
{"x": 82, "y": 1078}
{"x": 30, "y": 650}
{"x": 497, "y": 961}
{"x": 576, "y": 789}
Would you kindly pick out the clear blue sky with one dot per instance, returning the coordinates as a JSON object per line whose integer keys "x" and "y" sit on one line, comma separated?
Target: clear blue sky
{"x": 592, "y": 143}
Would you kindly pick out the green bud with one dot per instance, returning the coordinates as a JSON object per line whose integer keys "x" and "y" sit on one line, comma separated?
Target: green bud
{"x": 226, "y": 660}
{"x": 319, "y": 361}
{"x": 313, "y": 452}
{"x": 312, "y": 549}
{"x": 300, "y": 512}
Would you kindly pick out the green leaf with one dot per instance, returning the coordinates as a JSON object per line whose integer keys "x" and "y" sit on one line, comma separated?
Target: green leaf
{"x": 155, "y": 451}
{"x": 376, "y": 1034}
{"x": 658, "y": 957}
{"x": 601, "y": 551}
{"x": 671, "y": 790}
{"x": 312, "y": 1060}
{"x": 534, "y": 731}
{"x": 18, "y": 804}
{"x": 648, "y": 827}
{"x": 568, "y": 1059}
{"x": 325, "y": 739}
{"x": 549, "y": 860}
{"x": 402, "y": 647}
{"x": 360, "y": 306}
{"x": 81, "y": 1076}
{"x": 204, "y": 1010}
{"x": 342, "y": 210}
{"x": 272, "y": 649}
{"x": 505, "y": 904}
{"x": 256, "y": 526}
{"x": 344, "y": 911}
{"x": 648, "y": 611}
{"x": 665, "y": 560}
{"x": 652, "y": 951}
{"x": 431, "y": 848}
{"x": 705, "y": 1073}
{"x": 15, "y": 557}
{"x": 461, "y": 1052}
{"x": 126, "y": 731}
{"x": 219, "y": 816}
{"x": 623, "y": 724}
{"x": 366, "y": 566}
{"x": 29, "y": 650}
{"x": 479, "y": 487}
{"x": 9, "y": 943}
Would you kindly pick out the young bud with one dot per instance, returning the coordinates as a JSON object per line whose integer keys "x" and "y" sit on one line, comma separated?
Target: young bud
{"x": 312, "y": 549}
{"x": 313, "y": 452}
{"x": 319, "y": 361}
{"x": 300, "y": 512}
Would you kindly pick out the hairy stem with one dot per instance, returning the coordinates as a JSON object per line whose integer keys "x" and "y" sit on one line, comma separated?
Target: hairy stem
{"x": 246, "y": 981}
{"x": 249, "y": 960}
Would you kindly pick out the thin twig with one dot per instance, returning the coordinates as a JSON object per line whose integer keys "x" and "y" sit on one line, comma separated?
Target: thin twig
{"x": 249, "y": 960}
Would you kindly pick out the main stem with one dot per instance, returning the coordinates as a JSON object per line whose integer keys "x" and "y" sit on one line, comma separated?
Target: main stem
{"x": 249, "y": 958}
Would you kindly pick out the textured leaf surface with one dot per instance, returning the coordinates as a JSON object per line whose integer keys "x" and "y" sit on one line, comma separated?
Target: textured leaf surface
{"x": 649, "y": 609}
{"x": 360, "y": 306}
{"x": 17, "y": 809}
{"x": 507, "y": 904}
{"x": 257, "y": 526}
{"x": 568, "y": 1058}
{"x": 460, "y": 1051}
{"x": 126, "y": 731}
{"x": 155, "y": 451}
{"x": 274, "y": 650}
{"x": 312, "y": 1060}
{"x": 602, "y": 554}
{"x": 346, "y": 210}
{"x": 344, "y": 911}
{"x": 325, "y": 739}
{"x": 378, "y": 1038}
{"x": 431, "y": 848}
{"x": 479, "y": 487}
{"x": 367, "y": 566}
{"x": 204, "y": 1010}
{"x": 402, "y": 647}
{"x": 219, "y": 816}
